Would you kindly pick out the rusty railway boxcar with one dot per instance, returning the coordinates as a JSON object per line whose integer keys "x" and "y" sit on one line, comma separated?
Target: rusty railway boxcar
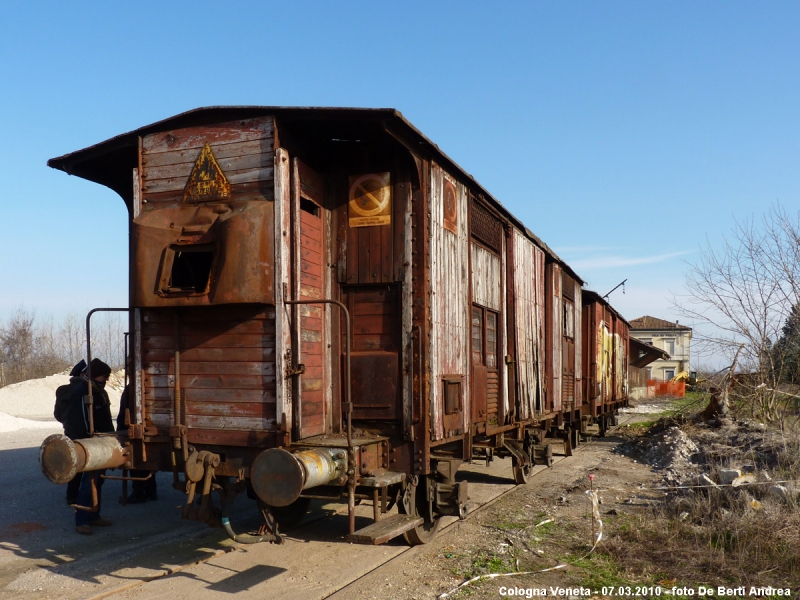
{"x": 606, "y": 351}
{"x": 323, "y": 304}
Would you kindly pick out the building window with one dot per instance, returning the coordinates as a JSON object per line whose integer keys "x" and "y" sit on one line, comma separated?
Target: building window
{"x": 669, "y": 346}
{"x": 669, "y": 374}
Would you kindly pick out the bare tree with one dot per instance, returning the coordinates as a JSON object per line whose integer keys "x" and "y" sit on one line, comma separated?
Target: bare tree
{"x": 742, "y": 295}
{"x": 32, "y": 347}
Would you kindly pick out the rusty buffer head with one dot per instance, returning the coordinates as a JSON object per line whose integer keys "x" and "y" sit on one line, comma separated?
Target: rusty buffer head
{"x": 277, "y": 477}
{"x": 58, "y": 458}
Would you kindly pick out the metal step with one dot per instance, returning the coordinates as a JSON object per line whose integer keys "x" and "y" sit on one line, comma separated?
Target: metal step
{"x": 385, "y": 529}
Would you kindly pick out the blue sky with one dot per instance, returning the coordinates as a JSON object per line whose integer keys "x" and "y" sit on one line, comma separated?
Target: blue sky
{"x": 624, "y": 134}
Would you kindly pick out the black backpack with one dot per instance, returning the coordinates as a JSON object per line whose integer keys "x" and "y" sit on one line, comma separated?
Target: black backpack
{"x": 64, "y": 392}
{"x": 63, "y": 397}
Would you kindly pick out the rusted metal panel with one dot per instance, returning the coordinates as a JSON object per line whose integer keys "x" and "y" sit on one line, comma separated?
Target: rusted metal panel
{"x": 202, "y": 227}
{"x": 449, "y": 289}
{"x": 528, "y": 290}
{"x": 283, "y": 322}
{"x": 487, "y": 273}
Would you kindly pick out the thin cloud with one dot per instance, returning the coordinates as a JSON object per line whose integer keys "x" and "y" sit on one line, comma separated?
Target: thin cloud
{"x": 570, "y": 249}
{"x": 612, "y": 262}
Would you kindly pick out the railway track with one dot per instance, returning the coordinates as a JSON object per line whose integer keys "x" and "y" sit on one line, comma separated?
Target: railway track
{"x": 488, "y": 494}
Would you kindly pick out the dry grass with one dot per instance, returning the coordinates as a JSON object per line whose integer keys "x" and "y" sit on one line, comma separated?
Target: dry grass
{"x": 734, "y": 536}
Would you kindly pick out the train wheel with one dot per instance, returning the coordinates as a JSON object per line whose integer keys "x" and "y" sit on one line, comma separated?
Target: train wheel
{"x": 415, "y": 503}
{"x": 521, "y": 473}
{"x": 291, "y": 515}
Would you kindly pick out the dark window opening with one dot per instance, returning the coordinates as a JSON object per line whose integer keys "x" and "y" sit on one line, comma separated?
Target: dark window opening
{"x": 452, "y": 396}
{"x": 191, "y": 269}
{"x": 309, "y": 207}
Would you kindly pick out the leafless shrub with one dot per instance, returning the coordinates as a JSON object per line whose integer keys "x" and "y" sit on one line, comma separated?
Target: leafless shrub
{"x": 741, "y": 296}
{"x": 32, "y": 346}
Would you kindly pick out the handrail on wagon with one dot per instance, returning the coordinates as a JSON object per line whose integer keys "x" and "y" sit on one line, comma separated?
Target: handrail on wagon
{"x": 89, "y": 359}
{"x": 348, "y": 407}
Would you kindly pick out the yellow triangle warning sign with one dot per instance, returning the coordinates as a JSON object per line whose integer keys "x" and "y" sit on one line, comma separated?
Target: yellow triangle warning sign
{"x": 207, "y": 181}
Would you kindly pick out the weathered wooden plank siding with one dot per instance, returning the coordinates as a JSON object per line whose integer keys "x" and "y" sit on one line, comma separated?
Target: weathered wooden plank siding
{"x": 283, "y": 278}
{"x": 487, "y": 275}
{"x": 528, "y": 289}
{"x": 556, "y": 333}
{"x": 487, "y": 290}
{"x": 578, "y": 346}
{"x": 504, "y": 349}
{"x": 243, "y": 150}
{"x": 449, "y": 344}
{"x": 222, "y": 386}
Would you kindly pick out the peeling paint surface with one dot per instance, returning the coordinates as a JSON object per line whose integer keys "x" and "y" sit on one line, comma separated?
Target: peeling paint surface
{"x": 450, "y": 332}
{"x": 528, "y": 289}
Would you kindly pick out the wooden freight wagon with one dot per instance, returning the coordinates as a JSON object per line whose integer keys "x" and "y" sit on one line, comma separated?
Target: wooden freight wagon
{"x": 606, "y": 339}
{"x": 323, "y": 304}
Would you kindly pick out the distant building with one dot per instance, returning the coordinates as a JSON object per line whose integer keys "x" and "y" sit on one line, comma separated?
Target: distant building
{"x": 675, "y": 339}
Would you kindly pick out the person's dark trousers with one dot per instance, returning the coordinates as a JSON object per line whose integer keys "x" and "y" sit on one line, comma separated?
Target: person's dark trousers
{"x": 72, "y": 489}
{"x": 84, "y": 517}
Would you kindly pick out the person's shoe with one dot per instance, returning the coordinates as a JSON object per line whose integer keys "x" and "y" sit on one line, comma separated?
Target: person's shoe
{"x": 84, "y": 529}
{"x": 136, "y": 499}
{"x": 100, "y": 522}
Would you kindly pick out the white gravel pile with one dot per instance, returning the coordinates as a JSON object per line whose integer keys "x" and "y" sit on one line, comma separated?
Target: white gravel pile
{"x": 9, "y": 423}
{"x": 671, "y": 448}
{"x": 35, "y": 398}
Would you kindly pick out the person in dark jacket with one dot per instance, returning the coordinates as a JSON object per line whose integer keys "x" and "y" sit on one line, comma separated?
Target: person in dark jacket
{"x": 142, "y": 490}
{"x": 75, "y": 417}
{"x": 63, "y": 396}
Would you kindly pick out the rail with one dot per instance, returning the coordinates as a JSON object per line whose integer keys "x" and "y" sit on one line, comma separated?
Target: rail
{"x": 89, "y": 359}
{"x": 348, "y": 407}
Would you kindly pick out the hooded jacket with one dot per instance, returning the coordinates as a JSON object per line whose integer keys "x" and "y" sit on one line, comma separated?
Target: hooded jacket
{"x": 75, "y": 414}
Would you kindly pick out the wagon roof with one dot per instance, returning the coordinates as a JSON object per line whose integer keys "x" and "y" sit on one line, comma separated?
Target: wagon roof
{"x": 110, "y": 162}
{"x": 592, "y": 296}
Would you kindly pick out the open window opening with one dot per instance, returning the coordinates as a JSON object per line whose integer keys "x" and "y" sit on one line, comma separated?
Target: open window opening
{"x": 309, "y": 206}
{"x": 187, "y": 269}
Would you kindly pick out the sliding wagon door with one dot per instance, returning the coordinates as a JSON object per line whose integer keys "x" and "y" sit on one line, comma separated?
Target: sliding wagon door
{"x": 310, "y": 284}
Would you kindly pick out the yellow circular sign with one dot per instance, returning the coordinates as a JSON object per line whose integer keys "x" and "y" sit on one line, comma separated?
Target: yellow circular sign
{"x": 370, "y": 195}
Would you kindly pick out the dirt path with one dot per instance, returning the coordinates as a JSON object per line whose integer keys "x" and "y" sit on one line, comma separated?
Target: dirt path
{"x": 491, "y": 537}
